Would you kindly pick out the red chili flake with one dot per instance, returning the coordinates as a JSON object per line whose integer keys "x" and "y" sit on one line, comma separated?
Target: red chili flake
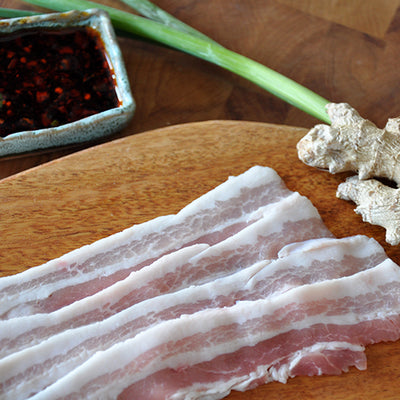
{"x": 65, "y": 64}
{"x": 66, "y": 78}
{"x": 62, "y": 109}
{"x": 38, "y": 80}
{"x": 66, "y": 50}
{"x": 32, "y": 64}
{"x": 42, "y": 96}
{"x": 28, "y": 121}
{"x": 27, "y": 85}
{"x": 46, "y": 121}
{"x": 12, "y": 64}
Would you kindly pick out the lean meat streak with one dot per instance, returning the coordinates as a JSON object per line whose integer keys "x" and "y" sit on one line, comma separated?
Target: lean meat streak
{"x": 33, "y": 369}
{"x": 82, "y": 272}
{"x": 244, "y": 286}
{"x": 289, "y": 220}
{"x": 313, "y": 329}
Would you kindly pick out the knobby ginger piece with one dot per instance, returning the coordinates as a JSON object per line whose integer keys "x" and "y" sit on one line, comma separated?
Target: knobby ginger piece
{"x": 353, "y": 143}
{"x": 377, "y": 204}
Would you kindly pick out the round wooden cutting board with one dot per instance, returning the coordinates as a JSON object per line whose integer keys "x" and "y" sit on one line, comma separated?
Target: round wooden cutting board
{"x": 57, "y": 207}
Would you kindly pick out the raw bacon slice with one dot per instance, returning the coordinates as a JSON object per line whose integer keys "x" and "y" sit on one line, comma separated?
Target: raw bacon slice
{"x": 291, "y": 219}
{"x": 28, "y": 330}
{"x": 80, "y": 273}
{"x": 27, "y": 372}
{"x": 210, "y": 353}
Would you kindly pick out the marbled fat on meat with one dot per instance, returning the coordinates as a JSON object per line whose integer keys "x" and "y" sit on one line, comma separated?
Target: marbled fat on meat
{"x": 210, "y": 353}
{"x": 164, "y": 310}
{"x": 289, "y": 220}
{"x": 321, "y": 259}
{"x": 209, "y": 219}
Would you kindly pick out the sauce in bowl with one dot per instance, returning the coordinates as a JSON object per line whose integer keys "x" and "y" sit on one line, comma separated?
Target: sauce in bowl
{"x": 53, "y": 77}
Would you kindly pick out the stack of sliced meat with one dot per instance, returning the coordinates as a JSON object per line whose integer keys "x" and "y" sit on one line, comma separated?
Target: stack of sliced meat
{"x": 242, "y": 287}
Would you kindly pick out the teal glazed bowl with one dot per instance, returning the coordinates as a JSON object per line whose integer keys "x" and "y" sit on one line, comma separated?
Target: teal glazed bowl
{"x": 74, "y": 89}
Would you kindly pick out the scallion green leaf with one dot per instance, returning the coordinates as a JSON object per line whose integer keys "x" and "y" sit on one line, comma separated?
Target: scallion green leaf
{"x": 155, "y": 13}
{"x": 13, "y": 13}
{"x": 194, "y": 44}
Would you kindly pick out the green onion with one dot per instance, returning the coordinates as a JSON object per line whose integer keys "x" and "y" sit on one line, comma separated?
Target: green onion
{"x": 196, "y": 45}
{"x": 12, "y": 13}
{"x": 155, "y": 13}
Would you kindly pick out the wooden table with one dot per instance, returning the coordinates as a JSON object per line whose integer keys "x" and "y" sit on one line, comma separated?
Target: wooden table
{"x": 345, "y": 50}
{"x": 344, "y": 53}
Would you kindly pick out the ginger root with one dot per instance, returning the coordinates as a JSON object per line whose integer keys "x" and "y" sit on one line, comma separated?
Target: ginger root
{"x": 353, "y": 143}
{"x": 377, "y": 204}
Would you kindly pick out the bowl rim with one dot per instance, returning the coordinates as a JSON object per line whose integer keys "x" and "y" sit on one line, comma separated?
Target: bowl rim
{"x": 100, "y": 21}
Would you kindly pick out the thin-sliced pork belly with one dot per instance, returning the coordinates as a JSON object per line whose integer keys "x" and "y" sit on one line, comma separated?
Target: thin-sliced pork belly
{"x": 310, "y": 330}
{"x": 82, "y": 272}
{"x": 29, "y": 371}
{"x": 289, "y": 220}
{"x": 28, "y": 330}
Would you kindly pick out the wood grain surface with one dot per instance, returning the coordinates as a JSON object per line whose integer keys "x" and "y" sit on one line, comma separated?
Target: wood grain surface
{"x": 345, "y": 50}
{"x": 75, "y": 200}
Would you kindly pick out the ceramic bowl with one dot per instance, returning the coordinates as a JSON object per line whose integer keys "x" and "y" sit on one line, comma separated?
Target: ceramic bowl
{"x": 87, "y": 128}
